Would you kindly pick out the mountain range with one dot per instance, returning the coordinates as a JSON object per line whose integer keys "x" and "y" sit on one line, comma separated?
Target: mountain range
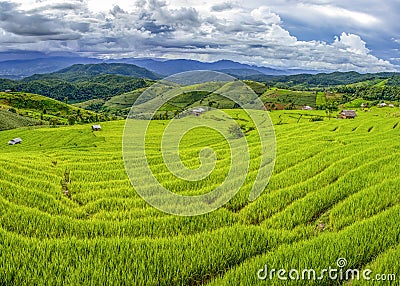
{"x": 20, "y": 68}
{"x": 83, "y": 72}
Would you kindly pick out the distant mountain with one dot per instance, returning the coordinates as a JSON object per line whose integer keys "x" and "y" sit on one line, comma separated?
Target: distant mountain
{"x": 19, "y": 65}
{"x": 17, "y": 69}
{"x": 83, "y": 72}
{"x": 241, "y": 73}
{"x": 169, "y": 67}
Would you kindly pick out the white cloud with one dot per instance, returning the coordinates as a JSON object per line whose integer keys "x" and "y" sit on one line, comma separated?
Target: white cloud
{"x": 352, "y": 43}
{"x": 264, "y": 14}
{"x": 207, "y": 31}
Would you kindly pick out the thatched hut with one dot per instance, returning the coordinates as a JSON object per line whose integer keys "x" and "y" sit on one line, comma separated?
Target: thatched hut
{"x": 348, "y": 114}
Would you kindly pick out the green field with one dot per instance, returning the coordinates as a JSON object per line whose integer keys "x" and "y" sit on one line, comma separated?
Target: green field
{"x": 286, "y": 97}
{"x": 334, "y": 193}
{"x": 321, "y": 99}
{"x": 41, "y": 108}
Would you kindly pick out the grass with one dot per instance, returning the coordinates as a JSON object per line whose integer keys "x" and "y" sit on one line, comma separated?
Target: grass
{"x": 345, "y": 180}
{"x": 124, "y": 101}
{"x": 321, "y": 99}
{"x": 286, "y": 97}
{"x": 9, "y": 120}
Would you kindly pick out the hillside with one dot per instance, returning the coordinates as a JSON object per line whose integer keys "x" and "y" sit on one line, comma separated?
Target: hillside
{"x": 94, "y": 86}
{"x": 325, "y": 79}
{"x": 10, "y": 120}
{"x": 283, "y": 98}
{"x": 45, "y": 109}
{"x": 20, "y": 68}
{"x": 334, "y": 193}
{"x": 77, "y": 87}
{"x": 121, "y": 104}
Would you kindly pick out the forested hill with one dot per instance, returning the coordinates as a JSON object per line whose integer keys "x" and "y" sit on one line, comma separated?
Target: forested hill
{"x": 81, "y": 72}
{"x": 329, "y": 79}
{"x": 28, "y": 109}
{"x": 84, "y": 82}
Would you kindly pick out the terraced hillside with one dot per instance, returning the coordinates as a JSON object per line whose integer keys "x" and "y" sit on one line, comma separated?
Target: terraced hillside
{"x": 69, "y": 216}
{"x": 10, "y": 120}
{"x": 284, "y": 98}
{"x": 44, "y": 109}
{"x": 121, "y": 104}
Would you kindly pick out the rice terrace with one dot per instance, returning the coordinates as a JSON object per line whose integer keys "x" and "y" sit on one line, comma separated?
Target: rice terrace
{"x": 333, "y": 193}
{"x": 170, "y": 142}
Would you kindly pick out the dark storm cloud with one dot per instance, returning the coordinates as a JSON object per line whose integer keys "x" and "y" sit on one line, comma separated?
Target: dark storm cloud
{"x": 80, "y": 27}
{"x": 65, "y": 6}
{"x": 222, "y": 7}
{"x": 7, "y": 6}
{"x": 152, "y": 27}
{"x": 34, "y": 24}
{"x": 158, "y": 12}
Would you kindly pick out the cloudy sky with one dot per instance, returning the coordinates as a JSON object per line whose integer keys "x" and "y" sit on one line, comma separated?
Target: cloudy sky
{"x": 361, "y": 35}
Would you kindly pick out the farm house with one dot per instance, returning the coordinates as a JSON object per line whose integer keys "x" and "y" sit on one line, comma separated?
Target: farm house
{"x": 96, "y": 127}
{"x": 15, "y": 141}
{"x": 198, "y": 111}
{"x": 307, "y": 108}
{"x": 348, "y": 114}
{"x": 382, "y": 105}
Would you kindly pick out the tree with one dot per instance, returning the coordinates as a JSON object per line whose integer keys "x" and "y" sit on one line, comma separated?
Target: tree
{"x": 54, "y": 121}
{"x": 71, "y": 119}
{"x": 236, "y": 131}
{"x": 13, "y": 110}
{"x": 290, "y": 106}
{"x": 331, "y": 107}
{"x": 176, "y": 113}
{"x": 165, "y": 115}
